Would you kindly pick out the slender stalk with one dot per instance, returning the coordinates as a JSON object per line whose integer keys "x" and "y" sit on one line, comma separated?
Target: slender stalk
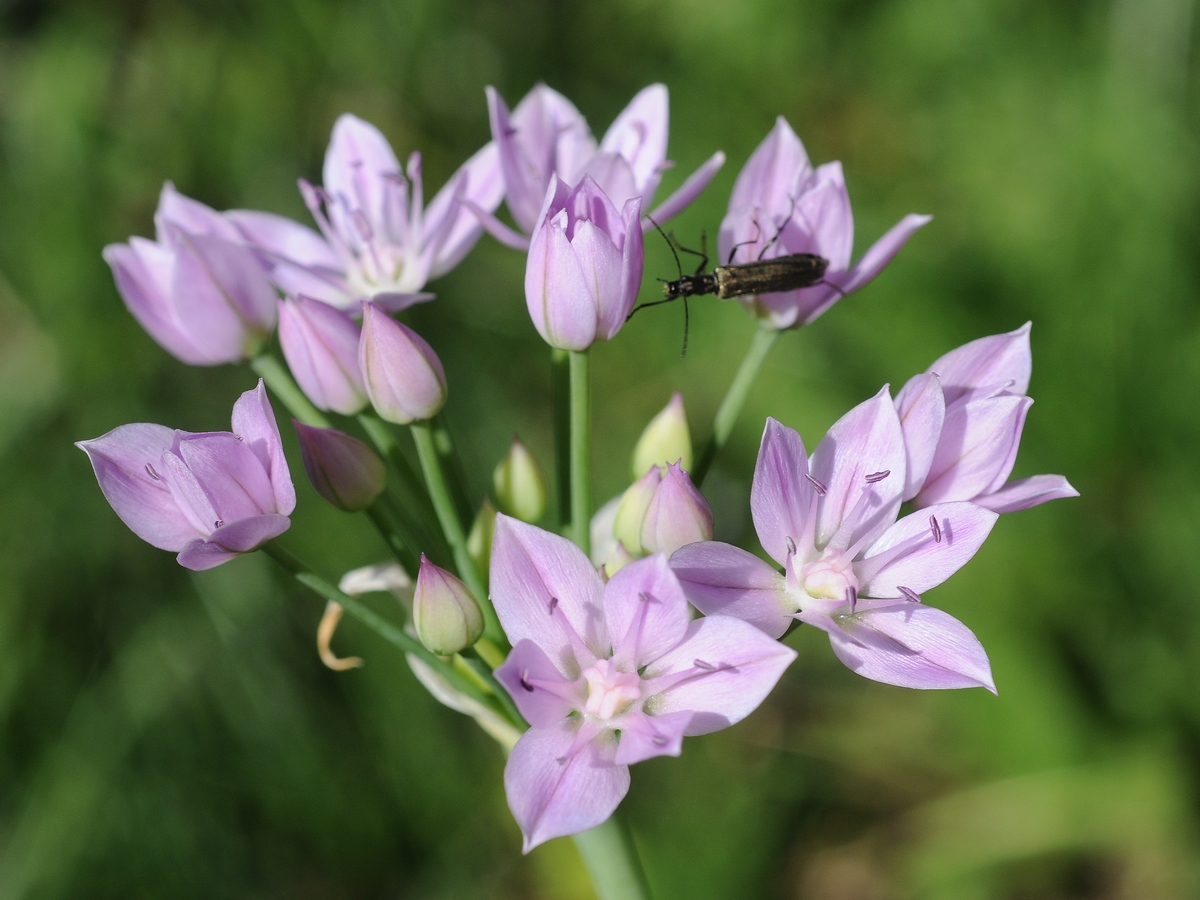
{"x": 560, "y": 378}
{"x": 581, "y": 451}
{"x": 735, "y": 398}
{"x": 452, "y": 527}
{"x": 453, "y": 465}
{"x": 279, "y": 381}
{"x": 390, "y": 531}
{"x": 612, "y": 861}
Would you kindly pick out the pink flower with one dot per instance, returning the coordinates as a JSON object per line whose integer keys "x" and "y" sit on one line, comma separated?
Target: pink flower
{"x": 320, "y": 344}
{"x": 403, "y": 376}
{"x": 780, "y": 205}
{"x": 608, "y": 675}
{"x": 584, "y": 266}
{"x": 850, "y": 568}
{"x": 207, "y": 496}
{"x": 545, "y": 136}
{"x": 962, "y": 421}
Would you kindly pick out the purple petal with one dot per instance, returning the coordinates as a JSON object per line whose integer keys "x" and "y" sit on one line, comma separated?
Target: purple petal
{"x": 545, "y": 590}
{"x": 393, "y": 302}
{"x": 200, "y": 555}
{"x": 237, "y": 274}
{"x": 320, "y": 344}
{"x": 232, "y": 540}
{"x": 720, "y": 579}
{"x": 230, "y": 474}
{"x": 254, "y": 421}
{"x": 1025, "y": 493}
{"x": 882, "y": 251}
{"x": 558, "y": 296}
{"x": 645, "y": 611}
{"x": 484, "y": 187}
{"x": 497, "y": 229}
{"x": 190, "y": 215}
{"x": 128, "y": 465}
{"x": 865, "y": 442}
{"x": 914, "y": 646}
{"x": 923, "y": 557}
{"x": 612, "y": 174}
{"x": 555, "y": 788}
{"x": 678, "y": 514}
{"x": 403, "y": 376}
{"x": 279, "y": 236}
{"x": 1000, "y": 359}
{"x": 639, "y": 136}
{"x": 356, "y": 163}
{"x": 733, "y": 664}
{"x": 977, "y": 449}
{"x": 328, "y": 285}
{"x": 781, "y": 496}
{"x": 821, "y": 222}
{"x": 542, "y": 693}
{"x": 644, "y": 737}
{"x": 633, "y": 260}
{"x": 600, "y": 263}
{"x": 921, "y": 409}
{"x": 686, "y": 192}
{"x": 771, "y": 171}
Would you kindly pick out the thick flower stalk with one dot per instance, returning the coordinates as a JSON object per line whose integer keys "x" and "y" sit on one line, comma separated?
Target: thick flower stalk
{"x": 780, "y": 205}
{"x": 546, "y": 136}
{"x": 850, "y": 568}
{"x": 584, "y": 266}
{"x": 208, "y": 496}
{"x": 962, "y": 421}
{"x": 196, "y": 289}
{"x": 378, "y": 241}
{"x": 608, "y": 675}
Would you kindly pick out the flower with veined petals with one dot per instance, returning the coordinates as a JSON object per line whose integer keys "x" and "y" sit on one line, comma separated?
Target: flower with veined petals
{"x": 962, "y": 420}
{"x": 378, "y": 240}
{"x": 781, "y": 205}
{"x": 850, "y": 568}
{"x": 546, "y": 136}
{"x": 608, "y": 675}
{"x": 208, "y": 496}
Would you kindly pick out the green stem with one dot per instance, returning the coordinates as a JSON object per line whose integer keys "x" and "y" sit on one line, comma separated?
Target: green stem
{"x": 581, "y": 451}
{"x": 612, "y": 861}
{"x": 281, "y": 384}
{"x": 560, "y": 380}
{"x": 401, "y": 546}
{"x": 453, "y": 465}
{"x": 452, "y": 526}
{"x": 735, "y": 398}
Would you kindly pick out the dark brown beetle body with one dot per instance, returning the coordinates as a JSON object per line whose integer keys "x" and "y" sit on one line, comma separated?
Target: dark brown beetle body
{"x": 764, "y": 276}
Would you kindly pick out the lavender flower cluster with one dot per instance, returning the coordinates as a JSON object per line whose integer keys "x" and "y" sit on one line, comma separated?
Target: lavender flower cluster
{"x": 598, "y": 651}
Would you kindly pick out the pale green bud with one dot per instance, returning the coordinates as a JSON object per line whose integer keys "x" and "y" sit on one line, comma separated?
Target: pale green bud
{"x": 666, "y": 440}
{"x": 479, "y": 541}
{"x": 631, "y": 512}
{"x": 445, "y": 614}
{"x": 520, "y": 485}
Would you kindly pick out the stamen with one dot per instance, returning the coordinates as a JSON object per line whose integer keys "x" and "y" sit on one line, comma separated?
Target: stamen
{"x": 525, "y": 681}
{"x": 818, "y": 486}
{"x": 909, "y": 593}
{"x": 239, "y": 438}
{"x": 150, "y": 471}
{"x": 937, "y": 529}
{"x": 553, "y": 605}
{"x": 658, "y": 740}
{"x": 852, "y": 597}
{"x": 218, "y": 524}
{"x": 876, "y": 477}
{"x": 562, "y": 760}
{"x": 791, "y": 545}
{"x": 362, "y": 225}
{"x": 706, "y": 666}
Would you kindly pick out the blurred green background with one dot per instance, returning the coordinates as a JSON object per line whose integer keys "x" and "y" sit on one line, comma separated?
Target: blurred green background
{"x": 170, "y": 735}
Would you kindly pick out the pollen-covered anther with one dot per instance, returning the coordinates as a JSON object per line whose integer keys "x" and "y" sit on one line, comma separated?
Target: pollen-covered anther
{"x": 909, "y": 593}
{"x": 876, "y": 477}
{"x": 936, "y": 529}
{"x": 817, "y": 485}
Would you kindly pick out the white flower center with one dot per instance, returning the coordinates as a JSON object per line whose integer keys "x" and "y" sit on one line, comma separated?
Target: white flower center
{"x": 829, "y": 578}
{"x": 610, "y": 692}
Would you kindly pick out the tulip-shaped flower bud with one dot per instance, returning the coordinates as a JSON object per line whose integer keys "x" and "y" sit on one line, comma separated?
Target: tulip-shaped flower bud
{"x": 520, "y": 485}
{"x": 320, "y": 344}
{"x": 402, "y": 374}
{"x": 631, "y": 511}
{"x": 677, "y": 515}
{"x": 666, "y": 439}
{"x": 479, "y": 541}
{"x": 584, "y": 266}
{"x": 342, "y": 469}
{"x": 445, "y": 614}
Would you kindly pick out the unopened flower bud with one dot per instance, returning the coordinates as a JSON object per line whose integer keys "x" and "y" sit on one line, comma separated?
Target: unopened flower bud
{"x": 520, "y": 485}
{"x": 402, "y": 374}
{"x": 666, "y": 439}
{"x": 479, "y": 541}
{"x": 631, "y": 512}
{"x": 342, "y": 469}
{"x": 445, "y": 614}
{"x": 677, "y": 515}
{"x": 618, "y": 559}
{"x": 320, "y": 344}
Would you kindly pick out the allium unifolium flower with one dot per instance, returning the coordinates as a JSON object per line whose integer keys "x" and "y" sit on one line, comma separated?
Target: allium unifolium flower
{"x": 320, "y": 344}
{"x": 519, "y": 484}
{"x": 445, "y": 613}
{"x": 962, "y": 421}
{"x": 341, "y": 468}
{"x": 207, "y": 496}
{"x": 402, "y": 374}
{"x": 378, "y": 240}
{"x": 545, "y": 136}
{"x": 666, "y": 439}
{"x": 202, "y": 295}
{"x": 584, "y": 266}
{"x": 850, "y": 568}
{"x": 678, "y": 514}
{"x": 781, "y": 205}
{"x": 608, "y": 675}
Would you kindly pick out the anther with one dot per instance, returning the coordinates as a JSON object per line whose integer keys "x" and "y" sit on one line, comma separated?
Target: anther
{"x": 820, "y": 488}
{"x": 239, "y": 438}
{"x": 218, "y": 524}
{"x": 876, "y": 477}
{"x": 909, "y": 593}
{"x": 562, "y": 760}
{"x": 706, "y": 666}
{"x": 852, "y": 597}
{"x": 150, "y": 471}
{"x": 937, "y": 529}
{"x": 658, "y": 740}
{"x": 525, "y": 681}
{"x": 553, "y": 605}
{"x": 791, "y": 545}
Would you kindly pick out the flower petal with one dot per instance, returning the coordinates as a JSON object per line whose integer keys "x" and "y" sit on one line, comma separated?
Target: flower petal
{"x": 1025, "y": 493}
{"x": 538, "y": 688}
{"x": 557, "y": 293}
{"x": 279, "y": 237}
{"x": 781, "y": 498}
{"x": 254, "y": 420}
{"x": 771, "y": 171}
{"x": 977, "y": 449}
{"x": 683, "y": 196}
{"x": 881, "y": 253}
{"x": 230, "y": 474}
{"x": 645, "y": 611}
{"x": 921, "y": 409}
{"x": 644, "y": 737}
{"x": 483, "y": 185}
{"x": 720, "y": 579}
{"x": 999, "y": 359}
{"x": 357, "y": 164}
{"x": 555, "y": 788}
{"x": 639, "y": 136}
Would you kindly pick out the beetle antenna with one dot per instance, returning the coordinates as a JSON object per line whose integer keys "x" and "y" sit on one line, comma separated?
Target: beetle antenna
{"x": 658, "y": 228}
{"x": 791, "y": 212}
{"x": 686, "y": 326}
{"x": 830, "y": 284}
